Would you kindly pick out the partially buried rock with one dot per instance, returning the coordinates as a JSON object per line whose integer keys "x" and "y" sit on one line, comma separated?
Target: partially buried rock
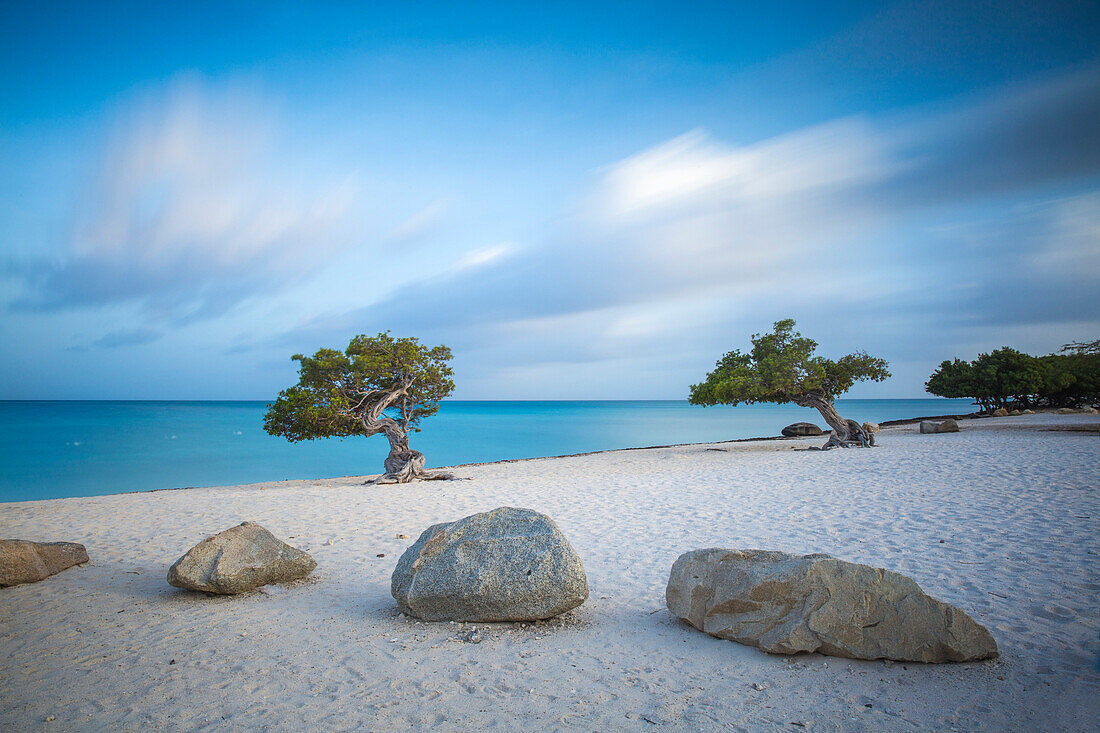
{"x": 503, "y": 565}
{"x": 786, "y": 604}
{"x": 947, "y": 426}
{"x": 801, "y": 429}
{"x": 871, "y": 428}
{"x": 1000, "y": 412}
{"x": 23, "y": 561}
{"x": 238, "y": 560}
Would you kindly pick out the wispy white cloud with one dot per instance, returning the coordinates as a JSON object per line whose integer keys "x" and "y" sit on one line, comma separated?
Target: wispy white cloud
{"x": 1072, "y": 248}
{"x": 195, "y": 207}
{"x": 483, "y": 256}
{"x": 834, "y": 224}
{"x": 694, "y": 170}
{"x": 420, "y": 224}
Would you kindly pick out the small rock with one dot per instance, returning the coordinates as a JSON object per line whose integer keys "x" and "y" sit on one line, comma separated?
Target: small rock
{"x": 801, "y": 429}
{"x": 23, "y": 561}
{"x": 472, "y": 637}
{"x": 238, "y": 560}
{"x": 173, "y": 661}
{"x": 758, "y": 687}
{"x": 381, "y": 554}
{"x": 402, "y": 537}
{"x": 947, "y": 426}
{"x": 51, "y": 718}
{"x": 330, "y": 543}
{"x": 1000, "y": 412}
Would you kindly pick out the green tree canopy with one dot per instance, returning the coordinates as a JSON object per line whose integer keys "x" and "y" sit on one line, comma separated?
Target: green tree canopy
{"x": 1007, "y": 377}
{"x": 378, "y": 384}
{"x": 953, "y": 379}
{"x": 782, "y": 367}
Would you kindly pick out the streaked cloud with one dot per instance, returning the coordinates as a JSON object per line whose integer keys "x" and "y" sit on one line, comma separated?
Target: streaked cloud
{"x": 129, "y": 337}
{"x": 815, "y": 223}
{"x": 919, "y": 179}
{"x": 483, "y": 256}
{"x": 194, "y": 208}
{"x": 420, "y": 224}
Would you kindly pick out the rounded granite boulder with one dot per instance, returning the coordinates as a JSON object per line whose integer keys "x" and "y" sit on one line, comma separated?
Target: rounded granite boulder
{"x": 237, "y": 560}
{"x": 507, "y": 564}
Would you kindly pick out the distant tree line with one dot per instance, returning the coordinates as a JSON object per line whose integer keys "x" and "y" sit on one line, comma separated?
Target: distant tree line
{"x": 1014, "y": 380}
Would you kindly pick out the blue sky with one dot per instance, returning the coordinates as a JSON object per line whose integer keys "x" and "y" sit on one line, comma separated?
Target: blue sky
{"x": 583, "y": 203}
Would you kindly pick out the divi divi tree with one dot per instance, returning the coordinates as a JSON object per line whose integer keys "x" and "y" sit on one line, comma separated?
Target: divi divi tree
{"x": 781, "y": 367}
{"x": 379, "y": 384}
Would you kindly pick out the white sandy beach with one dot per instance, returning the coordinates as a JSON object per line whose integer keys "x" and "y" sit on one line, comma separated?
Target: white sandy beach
{"x": 1001, "y": 519}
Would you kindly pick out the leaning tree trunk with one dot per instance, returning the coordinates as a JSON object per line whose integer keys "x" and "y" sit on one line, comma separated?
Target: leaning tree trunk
{"x": 846, "y": 433}
{"x": 403, "y": 464}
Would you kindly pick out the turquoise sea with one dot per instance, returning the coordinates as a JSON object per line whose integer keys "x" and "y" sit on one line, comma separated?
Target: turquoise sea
{"x": 55, "y": 449}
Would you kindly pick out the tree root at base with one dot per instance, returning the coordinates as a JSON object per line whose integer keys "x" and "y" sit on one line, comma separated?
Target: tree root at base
{"x": 405, "y": 465}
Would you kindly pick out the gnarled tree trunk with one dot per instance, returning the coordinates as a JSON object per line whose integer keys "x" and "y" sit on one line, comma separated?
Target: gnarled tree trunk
{"x": 403, "y": 464}
{"x": 846, "y": 433}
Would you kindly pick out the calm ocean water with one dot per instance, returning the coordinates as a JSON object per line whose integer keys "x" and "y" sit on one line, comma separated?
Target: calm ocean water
{"x": 56, "y": 449}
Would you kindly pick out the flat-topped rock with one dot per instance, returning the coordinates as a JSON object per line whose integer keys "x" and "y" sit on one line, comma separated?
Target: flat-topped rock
{"x": 801, "y": 429}
{"x": 507, "y": 564}
{"x": 238, "y": 560}
{"x": 944, "y": 426}
{"x": 786, "y": 604}
{"x": 23, "y": 561}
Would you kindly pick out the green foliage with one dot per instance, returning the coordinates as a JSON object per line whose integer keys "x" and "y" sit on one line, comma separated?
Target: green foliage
{"x": 1071, "y": 379}
{"x": 1008, "y": 375}
{"x": 1010, "y": 378}
{"x": 337, "y": 390}
{"x": 953, "y": 379}
{"x": 781, "y": 367}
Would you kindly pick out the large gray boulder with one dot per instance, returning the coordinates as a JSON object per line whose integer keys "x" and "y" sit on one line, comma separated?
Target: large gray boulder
{"x": 801, "y": 429}
{"x": 786, "y": 604}
{"x": 238, "y": 560}
{"x": 23, "y": 561}
{"x": 504, "y": 565}
{"x": 946, "y": 426}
